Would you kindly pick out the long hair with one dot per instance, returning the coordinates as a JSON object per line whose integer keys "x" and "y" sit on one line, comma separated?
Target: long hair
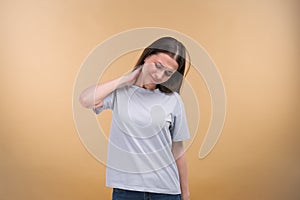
{"x": 175, "y": 50}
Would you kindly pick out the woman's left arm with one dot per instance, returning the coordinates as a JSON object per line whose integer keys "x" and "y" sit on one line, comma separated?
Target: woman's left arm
{"x": 179, "y": 155}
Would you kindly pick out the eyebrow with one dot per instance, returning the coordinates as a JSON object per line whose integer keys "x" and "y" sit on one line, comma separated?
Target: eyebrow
{"x": 166, "y": 67}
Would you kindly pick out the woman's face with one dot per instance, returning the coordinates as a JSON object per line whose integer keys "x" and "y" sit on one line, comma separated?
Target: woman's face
{"x": 158, "y": 68}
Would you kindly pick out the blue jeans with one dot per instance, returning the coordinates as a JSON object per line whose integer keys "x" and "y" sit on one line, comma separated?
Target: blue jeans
{"x": 120, "y": 194}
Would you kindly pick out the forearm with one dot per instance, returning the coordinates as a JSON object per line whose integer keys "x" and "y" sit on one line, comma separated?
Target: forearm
{"x": 94, "y": 95}
{"x": 183, "y": 175}
{"x": 179, "y": 156}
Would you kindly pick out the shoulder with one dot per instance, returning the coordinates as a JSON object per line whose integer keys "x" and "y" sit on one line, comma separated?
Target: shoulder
{"x": 176, "y": 97}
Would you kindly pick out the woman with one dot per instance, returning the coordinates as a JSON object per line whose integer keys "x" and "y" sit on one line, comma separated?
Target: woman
{"x": 146, "y": 158}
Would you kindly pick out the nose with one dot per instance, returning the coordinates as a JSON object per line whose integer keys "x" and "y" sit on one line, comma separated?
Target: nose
{"x": 159, "y": 75}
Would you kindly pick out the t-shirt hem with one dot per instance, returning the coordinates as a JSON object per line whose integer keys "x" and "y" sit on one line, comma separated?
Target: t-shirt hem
{"x": 143, "y": 189}
{"x": 180, "y": 139}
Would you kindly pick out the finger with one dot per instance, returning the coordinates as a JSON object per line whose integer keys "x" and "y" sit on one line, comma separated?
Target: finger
{"x": 138, "y": 70}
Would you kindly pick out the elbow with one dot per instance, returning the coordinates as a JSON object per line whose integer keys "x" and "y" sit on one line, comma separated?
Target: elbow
{"x": 84, "y": 101}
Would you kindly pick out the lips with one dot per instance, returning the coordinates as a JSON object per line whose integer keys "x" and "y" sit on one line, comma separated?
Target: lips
{"x": 154, "y": 80}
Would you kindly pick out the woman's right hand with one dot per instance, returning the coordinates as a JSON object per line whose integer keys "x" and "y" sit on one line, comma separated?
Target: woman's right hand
{"x": 130, "y": 79}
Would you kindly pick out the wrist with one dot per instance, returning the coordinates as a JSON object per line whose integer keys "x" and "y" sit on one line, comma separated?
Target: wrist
{"x": 185, "y": 196}
{"x": 121, "y": 82}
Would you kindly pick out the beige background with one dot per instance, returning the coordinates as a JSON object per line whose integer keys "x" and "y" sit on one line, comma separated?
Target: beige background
{"x": 255, "y": 45}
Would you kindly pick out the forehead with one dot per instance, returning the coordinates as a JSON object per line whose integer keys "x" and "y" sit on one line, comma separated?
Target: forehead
{"x": 166, "y": 60}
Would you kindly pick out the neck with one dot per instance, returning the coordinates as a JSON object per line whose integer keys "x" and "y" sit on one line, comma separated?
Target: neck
{"x": 141, "y": 83}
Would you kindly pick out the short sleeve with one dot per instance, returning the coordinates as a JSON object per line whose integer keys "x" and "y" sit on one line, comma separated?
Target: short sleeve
{"x": 108, "y": 103}
{"x": 179, "y": 129}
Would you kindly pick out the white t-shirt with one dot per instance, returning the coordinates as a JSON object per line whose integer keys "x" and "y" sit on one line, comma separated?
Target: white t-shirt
{"x": 144, "y": 124}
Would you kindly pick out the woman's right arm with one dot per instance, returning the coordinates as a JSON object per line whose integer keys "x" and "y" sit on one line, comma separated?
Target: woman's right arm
{"x": 93, "y": 96}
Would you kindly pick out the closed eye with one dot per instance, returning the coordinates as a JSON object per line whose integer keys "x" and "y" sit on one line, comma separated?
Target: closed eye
{"x": 158, "y": 66}
{"x": 168, "y": 73}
